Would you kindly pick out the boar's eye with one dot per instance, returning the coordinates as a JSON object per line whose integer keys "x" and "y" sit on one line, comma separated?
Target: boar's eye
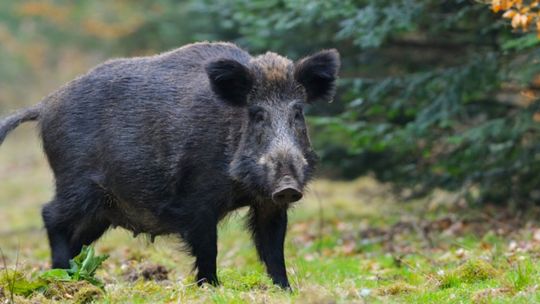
{"x": 298, "y": 111}
{"x": 298, "y": 115}
{"x": 257, "y": 114}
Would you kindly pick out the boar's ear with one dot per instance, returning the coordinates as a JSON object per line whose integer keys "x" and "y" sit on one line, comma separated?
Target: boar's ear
{"x": 230, "y": 80}
{"x": 317, "y": 74}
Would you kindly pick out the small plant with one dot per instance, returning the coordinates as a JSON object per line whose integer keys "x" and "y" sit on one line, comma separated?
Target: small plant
{"x": 449, "y": 280}
{"x": 522, "y": 276}
{"x": 82, "y": 268}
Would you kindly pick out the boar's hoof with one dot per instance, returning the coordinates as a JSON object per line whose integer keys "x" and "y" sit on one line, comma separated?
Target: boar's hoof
{"x": 283, "y": 284}
{"x": 212, "y": 281}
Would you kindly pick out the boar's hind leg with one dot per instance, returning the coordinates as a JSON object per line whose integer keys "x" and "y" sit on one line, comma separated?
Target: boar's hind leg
{"x": 268, "y": 227}
{"x": 68, "y": 230}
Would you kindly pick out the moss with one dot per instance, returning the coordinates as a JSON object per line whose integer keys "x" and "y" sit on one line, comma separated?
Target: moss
{"x": 396, "y": 289}
{"x": 37, "y": 298}
{"x": 87, "y": 294}
{"x": 80, "y": 292}
{"x": 476, "y": 270}
{"x": 244, "y": 281}
{"x": 144, "y": 287}
{"x": 472, "y": 271}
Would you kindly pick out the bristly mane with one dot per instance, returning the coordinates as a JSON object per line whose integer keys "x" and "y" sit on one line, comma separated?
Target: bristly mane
{"x": 274, "y": 76}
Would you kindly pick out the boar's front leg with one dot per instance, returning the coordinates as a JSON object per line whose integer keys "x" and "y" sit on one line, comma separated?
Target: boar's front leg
{"x": 268, "y": 226}
{"x": 201, "y": 237}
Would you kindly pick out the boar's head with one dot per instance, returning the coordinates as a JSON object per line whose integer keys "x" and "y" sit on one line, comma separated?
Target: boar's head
{"x": 274, "y": 159}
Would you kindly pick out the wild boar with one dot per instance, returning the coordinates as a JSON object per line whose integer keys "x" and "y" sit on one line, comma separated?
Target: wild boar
{"x": 170, "y": 144}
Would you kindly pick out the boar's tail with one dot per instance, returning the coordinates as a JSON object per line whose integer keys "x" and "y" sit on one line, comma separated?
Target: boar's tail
{"x": 11, "y": 122}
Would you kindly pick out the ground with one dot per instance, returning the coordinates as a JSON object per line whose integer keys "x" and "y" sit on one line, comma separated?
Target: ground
{"x": 347, "y": 242}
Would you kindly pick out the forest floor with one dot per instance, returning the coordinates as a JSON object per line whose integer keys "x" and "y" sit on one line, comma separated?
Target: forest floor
{"x": 347, "y": 242}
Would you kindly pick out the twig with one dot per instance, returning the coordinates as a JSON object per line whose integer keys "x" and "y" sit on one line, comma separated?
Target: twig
{"x": 10, "y": 281}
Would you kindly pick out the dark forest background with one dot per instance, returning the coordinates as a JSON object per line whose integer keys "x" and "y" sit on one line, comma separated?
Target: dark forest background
{"x": 433, "y": 93}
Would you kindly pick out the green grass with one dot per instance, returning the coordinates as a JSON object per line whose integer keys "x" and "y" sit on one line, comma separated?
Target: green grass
{"x": 364, "y": 247}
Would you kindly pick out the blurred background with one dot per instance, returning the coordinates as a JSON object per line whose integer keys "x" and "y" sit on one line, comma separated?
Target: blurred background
{"x": 429, "y": 181}
{"x": 433, "y": 94}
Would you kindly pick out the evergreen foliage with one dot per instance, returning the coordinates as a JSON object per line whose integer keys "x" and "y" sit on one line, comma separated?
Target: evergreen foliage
{"x": 433, "y": 94}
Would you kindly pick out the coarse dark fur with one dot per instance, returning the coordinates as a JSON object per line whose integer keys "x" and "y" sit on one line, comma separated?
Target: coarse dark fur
{"x": 169, "y": 144}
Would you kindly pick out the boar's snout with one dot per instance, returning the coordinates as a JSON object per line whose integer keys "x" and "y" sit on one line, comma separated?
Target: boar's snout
{"x": 287, "y": 191}
{"x": 286, "y": 195}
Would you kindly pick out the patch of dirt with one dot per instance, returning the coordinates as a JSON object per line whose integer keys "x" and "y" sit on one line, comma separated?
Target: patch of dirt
{"x": 396, "y": 289}
{"x": 150, "y": 272}
{"x": 155, "y": 272}
{"x": 498, "y": 221}
{"x": 487, "y": 295}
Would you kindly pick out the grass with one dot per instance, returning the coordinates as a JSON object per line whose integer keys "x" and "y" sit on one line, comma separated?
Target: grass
{"x": 362, "y": 246}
